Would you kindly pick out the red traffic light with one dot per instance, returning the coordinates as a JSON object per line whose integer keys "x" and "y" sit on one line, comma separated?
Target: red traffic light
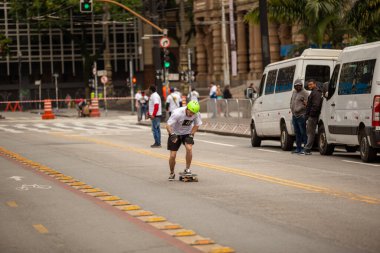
{"x": 134, "y": 80}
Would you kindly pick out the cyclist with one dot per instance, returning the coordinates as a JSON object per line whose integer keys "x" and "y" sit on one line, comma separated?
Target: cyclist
{"x": 181, "y": 127}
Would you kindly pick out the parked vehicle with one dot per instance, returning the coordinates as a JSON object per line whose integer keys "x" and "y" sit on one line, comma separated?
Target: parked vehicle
{"x": 271, "y": 115}
{"x": 351, "y": 109}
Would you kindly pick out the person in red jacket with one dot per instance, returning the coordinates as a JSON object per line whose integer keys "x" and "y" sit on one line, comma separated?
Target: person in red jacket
{"x": 155, "y": 114}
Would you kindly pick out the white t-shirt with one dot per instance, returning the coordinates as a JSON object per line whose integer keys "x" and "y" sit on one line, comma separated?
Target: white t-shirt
{"x": 143, "y": 99}
{"x": 213, "y": 90}
{"x": 182, "y": 124}
{"x": 155, "y": 99}
{"x": 173, "y": 101}
{"x": 138, "y": 96}
{"x": 193, "y": 96}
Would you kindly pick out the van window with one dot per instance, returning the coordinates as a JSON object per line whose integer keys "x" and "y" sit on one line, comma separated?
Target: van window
{"x": 261, "y": 88}
{"x": 320, "y": 73}
{"x": 333, "y": 81}
{"x": 356, "y": 77}
{"x": 285, "y": 79}
{"x": 271, "y": 81}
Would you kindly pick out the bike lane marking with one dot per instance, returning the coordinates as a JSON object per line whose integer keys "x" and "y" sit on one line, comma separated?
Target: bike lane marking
{"x": 184, "y": 239}
{"x": 240, "y": 172}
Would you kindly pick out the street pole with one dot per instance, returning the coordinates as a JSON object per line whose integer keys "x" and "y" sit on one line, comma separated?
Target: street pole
{"x": 131, "y": 82}
{"x": 226, "y": 67}
{"x": 264, "y": 32}
{"x": 19, "y": 54}
{"x": 189, "y": 73}
{"x": 95, "y": 72}
{"x": 56, "y": 89}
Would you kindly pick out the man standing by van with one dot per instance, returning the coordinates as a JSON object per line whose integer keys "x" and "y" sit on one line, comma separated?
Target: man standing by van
{"x": 298, "y": 108}
{"x": 313, "y": 109}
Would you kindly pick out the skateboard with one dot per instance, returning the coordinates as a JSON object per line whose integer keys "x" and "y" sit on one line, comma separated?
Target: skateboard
{"x": 188, "y": 177}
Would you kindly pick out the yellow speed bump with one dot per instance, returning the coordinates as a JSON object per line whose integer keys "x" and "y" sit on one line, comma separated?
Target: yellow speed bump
{"x": 77, "y": 184}
{"x": 93, "y": 190}
{"x": 109, "y": 198}
{"x": 155, "y": 219}
{"x": 120, "y": 203}
{"x": 142, "y": 213}
{"x": 202, "y": 242}
{"x": 68, "y": 181}
{"x": 131, "y": 208}
{"x": 222, "y": 250}
{"x": 63, "y": 177}
{"x": 85, "y": 187}
{"x": 101, "y": 194}
{"x": 184, "y": 233}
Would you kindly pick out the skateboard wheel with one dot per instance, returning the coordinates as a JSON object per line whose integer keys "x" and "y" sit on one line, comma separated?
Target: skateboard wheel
{"x": 180, "y": 178}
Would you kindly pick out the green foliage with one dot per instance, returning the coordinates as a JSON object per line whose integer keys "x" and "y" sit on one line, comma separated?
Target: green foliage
{"x": 4, "y": 45}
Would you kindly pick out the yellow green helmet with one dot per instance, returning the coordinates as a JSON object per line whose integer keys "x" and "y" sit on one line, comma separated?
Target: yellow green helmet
{"x": 193, "y": 106}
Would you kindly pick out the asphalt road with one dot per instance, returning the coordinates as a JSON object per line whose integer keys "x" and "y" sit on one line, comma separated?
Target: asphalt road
{"x": 248, "y": 199}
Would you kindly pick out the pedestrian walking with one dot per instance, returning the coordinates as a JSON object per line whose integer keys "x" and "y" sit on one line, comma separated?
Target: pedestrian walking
{"x": 298, "y": 108}
{"x": 182, "y": 126}
{"x": 155, "y": 113}
{"x": 193, "y": 95}
{"x": 212, "y": 102}
{"x": 137, "y": 105}
{"x": 173, "y": 101}
{"x": 313, "y": 110}
{"x": 143, "y": 104}
{"x": 227, "y": 93}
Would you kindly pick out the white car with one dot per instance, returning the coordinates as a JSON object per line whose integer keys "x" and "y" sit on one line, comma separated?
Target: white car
{"x": 350, "y": 113}
{"x": 271, "y": 115}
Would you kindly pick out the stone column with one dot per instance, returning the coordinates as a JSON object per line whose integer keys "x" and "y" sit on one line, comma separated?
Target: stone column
{"x": 201, "y": 55}
{"x": 242, "y": 52}
{"x": 255, "y": 52}
{"x": 274, "y": 42}
{"x": 217, "y": 52}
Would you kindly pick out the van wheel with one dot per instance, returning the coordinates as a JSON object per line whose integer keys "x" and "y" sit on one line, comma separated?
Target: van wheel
{"x": 255, "y": 139}
{"x": 324, "y": 147}
{"x": 351, "y": 149}
{"x": 367, "y": 153}
{"x": 286, "y": 140}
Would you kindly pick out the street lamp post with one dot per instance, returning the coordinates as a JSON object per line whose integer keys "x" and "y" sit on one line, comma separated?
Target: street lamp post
{"x": 19, "y": 55}
{"x": 55, "y": 75}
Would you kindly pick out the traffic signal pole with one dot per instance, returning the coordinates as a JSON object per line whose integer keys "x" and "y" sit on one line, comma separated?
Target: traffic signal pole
{"x": 164, "y": 31}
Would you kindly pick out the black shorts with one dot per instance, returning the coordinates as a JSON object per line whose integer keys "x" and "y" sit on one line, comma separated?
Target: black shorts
{"x": 175, "y": 146}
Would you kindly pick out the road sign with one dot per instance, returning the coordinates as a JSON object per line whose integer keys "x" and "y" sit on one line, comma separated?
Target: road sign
{"x": 37, "y": 82}
{"x": 102, "y": 72}
{"x": 104, "y": 79}
{"x": 164, "y": 42}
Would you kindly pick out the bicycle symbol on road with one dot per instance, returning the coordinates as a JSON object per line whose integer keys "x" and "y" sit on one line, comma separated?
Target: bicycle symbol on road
{"x": 26, "y": 187}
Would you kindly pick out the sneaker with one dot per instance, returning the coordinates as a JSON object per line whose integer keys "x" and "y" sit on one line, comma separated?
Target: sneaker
{"x": 296, "y": 151}
{"x": 305, "y": 152}
{"x": 171, "y": 177}
{"x": 187, "y": 171}
{"x": 155, "y": 146}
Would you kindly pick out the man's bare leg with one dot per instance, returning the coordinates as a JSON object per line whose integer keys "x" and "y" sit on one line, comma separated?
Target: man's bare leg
{"x": 189, "y": 155}
{"x": 172, "y": 157}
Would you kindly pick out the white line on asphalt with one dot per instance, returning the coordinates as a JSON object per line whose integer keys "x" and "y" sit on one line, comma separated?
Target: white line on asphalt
{"x": 267, "y": 150}
{"x": 217, "y": 143}
{"x": 23, "y": 126}
{"x": 7, "y": 129}
{"x": 369, "y": 164}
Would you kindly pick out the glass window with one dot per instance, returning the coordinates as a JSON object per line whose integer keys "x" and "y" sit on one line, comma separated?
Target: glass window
{"x": 320, "y": 73}
{"x": 333, "y": 81}
{"x": 356, "y": 77}
{"x": 261, "y": 89}
{"x": 271, "y": 81}
{"x": 285, "y": 79}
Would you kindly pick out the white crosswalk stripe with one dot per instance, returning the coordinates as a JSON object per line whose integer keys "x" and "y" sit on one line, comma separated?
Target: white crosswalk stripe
{"x": 103, "y": 127}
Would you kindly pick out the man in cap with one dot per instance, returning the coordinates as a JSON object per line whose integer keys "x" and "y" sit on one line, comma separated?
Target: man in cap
{"x": 298, "y": 108}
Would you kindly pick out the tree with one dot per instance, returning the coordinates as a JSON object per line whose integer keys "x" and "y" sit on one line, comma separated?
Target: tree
{"x": 316, "y": 17}
{"x": 4, "y": 45}
{"x": 365, "y": 17}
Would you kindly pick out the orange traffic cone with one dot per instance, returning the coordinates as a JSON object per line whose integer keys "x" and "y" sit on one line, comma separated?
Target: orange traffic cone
{"x": 48, "y": 114}
{"x": 94, "y": 108}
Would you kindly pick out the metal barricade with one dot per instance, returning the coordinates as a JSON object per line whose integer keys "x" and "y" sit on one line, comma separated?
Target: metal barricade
{"x": 236, "y": 111}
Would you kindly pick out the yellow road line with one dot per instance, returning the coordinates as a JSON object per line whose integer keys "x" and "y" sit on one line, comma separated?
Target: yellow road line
{"x": 12, "y": 204}
{"x": 240, "y": 172}
{"x": 40, "y": 228}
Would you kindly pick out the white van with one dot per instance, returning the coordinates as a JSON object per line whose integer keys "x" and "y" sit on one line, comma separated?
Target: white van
{"x": 271, "y": 115}
{"x": 350, "y": 113}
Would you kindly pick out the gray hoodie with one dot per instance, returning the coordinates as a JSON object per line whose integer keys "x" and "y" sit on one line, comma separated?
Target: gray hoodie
{"x": 297, "y": 104}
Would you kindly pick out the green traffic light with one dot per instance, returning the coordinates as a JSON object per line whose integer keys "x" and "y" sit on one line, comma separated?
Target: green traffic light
{"x": 86, "y": 6}
{"x": 167, "y": 64}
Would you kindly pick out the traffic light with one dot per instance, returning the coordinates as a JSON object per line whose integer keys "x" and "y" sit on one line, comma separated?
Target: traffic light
{"x": 166, "y": 59}
{"x": 86, "y": 6}
{"x": 134, "y": 81}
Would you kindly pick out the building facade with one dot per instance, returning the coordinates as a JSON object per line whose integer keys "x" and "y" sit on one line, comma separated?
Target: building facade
{"x": 40, "y": 54}
{"x": 209, "y": 42}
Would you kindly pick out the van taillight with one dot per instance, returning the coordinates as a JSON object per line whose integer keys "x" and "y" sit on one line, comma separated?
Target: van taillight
{"x": 376, "y": 111}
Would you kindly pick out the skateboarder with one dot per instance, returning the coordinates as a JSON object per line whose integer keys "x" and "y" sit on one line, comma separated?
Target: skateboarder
{"x": 181, "y": 127}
